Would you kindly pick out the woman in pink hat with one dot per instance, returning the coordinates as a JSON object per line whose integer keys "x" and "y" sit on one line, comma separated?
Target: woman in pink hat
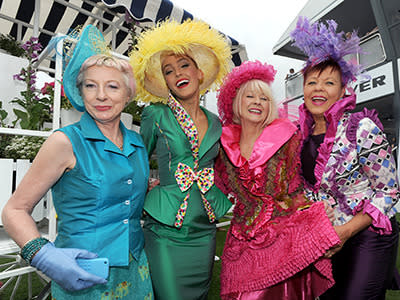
{"x": 276, "y": 243}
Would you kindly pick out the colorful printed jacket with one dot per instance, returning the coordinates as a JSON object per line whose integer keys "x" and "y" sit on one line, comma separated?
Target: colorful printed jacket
{"x": 355, "y": 169}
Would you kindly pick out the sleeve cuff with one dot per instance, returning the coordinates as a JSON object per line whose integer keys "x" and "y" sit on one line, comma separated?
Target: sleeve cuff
{"x": 380, "y": 222}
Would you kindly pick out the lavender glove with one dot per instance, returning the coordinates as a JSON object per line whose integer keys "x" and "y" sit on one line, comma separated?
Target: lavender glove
{"x": 60, "y": 265}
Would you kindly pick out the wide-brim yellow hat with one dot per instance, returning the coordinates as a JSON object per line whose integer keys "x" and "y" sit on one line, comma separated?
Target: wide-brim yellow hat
{"x": 206, "y": 46}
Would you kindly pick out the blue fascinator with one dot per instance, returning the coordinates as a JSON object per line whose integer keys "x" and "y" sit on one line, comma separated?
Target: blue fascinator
{"x": 90, "y": 42}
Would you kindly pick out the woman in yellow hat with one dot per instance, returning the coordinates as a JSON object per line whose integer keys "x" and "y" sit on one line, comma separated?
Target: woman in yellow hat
{"x": 174, "y": 65}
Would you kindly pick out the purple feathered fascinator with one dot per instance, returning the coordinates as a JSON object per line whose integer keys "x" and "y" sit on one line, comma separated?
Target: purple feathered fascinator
{"x": 321, "y": 42}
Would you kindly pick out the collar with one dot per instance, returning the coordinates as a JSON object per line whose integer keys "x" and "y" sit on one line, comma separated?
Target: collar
{"x": 213, "y": 133}
{"x": 92, "y": 132}
{"x": 187, "y": 125}
{"x": 267, "y": 144}
{"x": 332, "y": 116}
{"x": 185, "y": 122}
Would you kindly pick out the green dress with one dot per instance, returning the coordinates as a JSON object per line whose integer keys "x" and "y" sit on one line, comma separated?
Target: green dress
{"x": 180, "y": 254}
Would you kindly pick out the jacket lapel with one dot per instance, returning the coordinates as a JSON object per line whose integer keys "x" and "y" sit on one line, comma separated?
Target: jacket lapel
{"x": 212, "y": 135}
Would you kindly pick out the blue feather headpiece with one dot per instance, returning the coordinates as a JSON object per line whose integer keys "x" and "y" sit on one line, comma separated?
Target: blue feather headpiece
{"x": 321, "y": 42}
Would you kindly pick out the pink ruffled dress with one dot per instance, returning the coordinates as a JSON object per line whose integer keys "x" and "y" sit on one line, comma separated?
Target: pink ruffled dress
{"x": 274, "y": 248}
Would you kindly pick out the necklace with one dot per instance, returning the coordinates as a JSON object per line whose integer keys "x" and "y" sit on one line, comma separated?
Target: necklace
{"x": 121, "y": 147}
{"x": 116, "y": 142}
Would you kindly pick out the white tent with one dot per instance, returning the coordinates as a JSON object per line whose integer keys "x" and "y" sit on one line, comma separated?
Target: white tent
{"x": 45, "y": 18}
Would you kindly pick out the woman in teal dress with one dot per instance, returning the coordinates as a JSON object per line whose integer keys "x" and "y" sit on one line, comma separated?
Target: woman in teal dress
{"x": 174, "y": 64}
{"x": 98, "y": 172}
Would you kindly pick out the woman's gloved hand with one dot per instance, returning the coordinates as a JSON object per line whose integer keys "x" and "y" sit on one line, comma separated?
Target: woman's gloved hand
{"x": 60, "y": 265}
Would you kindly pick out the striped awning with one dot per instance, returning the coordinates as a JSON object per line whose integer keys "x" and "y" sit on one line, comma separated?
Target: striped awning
{"x": 23, "y": 18}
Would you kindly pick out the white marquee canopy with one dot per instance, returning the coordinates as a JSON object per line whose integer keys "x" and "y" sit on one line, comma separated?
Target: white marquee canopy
{"x": 45, "y": 18}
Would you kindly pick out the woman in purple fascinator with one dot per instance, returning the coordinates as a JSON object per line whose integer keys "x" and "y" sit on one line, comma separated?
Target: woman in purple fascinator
{"x": 348, "y": 163}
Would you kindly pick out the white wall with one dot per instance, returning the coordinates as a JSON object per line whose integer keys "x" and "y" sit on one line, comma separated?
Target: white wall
{"x": 10, "y": 88}
{"x": 9, "y": 66}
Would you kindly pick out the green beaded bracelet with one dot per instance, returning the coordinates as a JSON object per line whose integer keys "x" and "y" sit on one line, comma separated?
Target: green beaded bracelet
{"x": 32, "y": 247}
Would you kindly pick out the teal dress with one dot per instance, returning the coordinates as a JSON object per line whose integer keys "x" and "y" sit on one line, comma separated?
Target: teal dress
{"x": 181, "y": 246}
{"x": 99, "y": 204}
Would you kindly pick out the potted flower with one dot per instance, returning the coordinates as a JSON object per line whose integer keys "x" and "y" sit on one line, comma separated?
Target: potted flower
{"x": 10, "y": 45}
{"x": 3, "y": 115}
{"x": 35, "y": 109}
{"x": 32, "y": 110}
{"x": 4, "y": 138}
{"x": 48, "y": 91}
{"x": 23, "y": 147}
{"x": 134, "y": 111}
{"x": 68, "y": 113}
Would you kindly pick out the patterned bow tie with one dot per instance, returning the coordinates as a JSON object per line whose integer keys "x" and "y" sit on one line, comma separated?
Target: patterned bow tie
{"x": 185, "y": 177}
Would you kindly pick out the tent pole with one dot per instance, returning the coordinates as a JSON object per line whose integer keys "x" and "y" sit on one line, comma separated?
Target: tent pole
{"x": 36, "y": 19}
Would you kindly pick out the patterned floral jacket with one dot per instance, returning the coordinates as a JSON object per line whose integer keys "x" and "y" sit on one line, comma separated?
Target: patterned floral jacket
{"x": 355, "y": 169}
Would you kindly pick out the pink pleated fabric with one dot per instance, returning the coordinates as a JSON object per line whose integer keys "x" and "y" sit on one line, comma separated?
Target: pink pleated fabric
{"x": 285, "y": 248}
{"x": 299, "y": 287}
{"x": 277, "y": 239}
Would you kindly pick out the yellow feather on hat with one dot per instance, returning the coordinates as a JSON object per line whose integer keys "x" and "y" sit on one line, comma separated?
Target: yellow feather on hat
{"x": 206, "y": 46}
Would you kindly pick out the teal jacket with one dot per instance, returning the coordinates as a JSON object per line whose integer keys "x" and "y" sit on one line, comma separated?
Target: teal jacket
{"x": 99, "y": 202}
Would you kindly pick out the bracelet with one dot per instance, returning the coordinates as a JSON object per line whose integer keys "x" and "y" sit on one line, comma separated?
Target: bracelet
{"x": 32, "y": 247}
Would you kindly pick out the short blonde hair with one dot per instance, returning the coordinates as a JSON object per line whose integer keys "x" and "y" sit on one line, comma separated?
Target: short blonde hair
{"x": 255, "y": 85}
{"x": 103, "y": 60}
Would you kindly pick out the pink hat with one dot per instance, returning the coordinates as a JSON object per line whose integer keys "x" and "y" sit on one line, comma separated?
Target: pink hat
{"x": 247, "y": 71}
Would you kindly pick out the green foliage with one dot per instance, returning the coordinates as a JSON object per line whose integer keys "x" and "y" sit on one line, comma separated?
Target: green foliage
{"x": 132, "y": 27}
{"x": 11, "y": 45}
{"x": 5, "y": 140}
{"x": 48, "y": 92}
{"x": 65, "y": 103}
{"x": 135, "y": 110}
{"x": 153, "y": 164}
{"x": 37, "y": 110}
{"x": 3, "y": 115}
{"x": 22, "y": 147}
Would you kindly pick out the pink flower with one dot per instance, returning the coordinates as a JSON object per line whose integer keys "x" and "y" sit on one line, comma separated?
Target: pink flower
{"x": 49, "y": 88}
